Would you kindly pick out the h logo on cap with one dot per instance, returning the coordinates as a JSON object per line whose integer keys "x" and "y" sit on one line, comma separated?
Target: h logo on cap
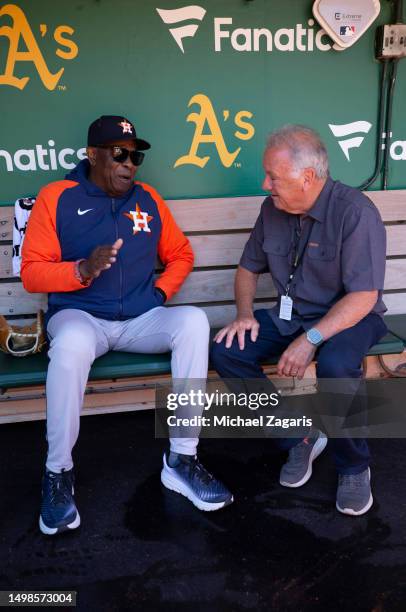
{"x": 127, "y": 127}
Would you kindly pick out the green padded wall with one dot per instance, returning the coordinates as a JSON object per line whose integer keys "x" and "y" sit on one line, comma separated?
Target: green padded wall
{"x": 65, "y": 62}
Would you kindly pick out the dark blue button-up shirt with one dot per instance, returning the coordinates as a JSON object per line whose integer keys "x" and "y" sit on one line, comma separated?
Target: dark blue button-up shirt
{"x": 344, "y": 243}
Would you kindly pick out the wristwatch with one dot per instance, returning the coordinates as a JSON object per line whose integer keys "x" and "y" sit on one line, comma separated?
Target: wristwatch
{"x": 314, "y": 337}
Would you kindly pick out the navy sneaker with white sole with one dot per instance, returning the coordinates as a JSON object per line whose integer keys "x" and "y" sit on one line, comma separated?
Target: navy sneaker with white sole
{"x": 58, "y": 509}
{"x": 191, "y": 479}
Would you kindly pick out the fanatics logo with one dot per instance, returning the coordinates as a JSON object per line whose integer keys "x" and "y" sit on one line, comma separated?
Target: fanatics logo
{"x": 127, "y": 127}
{"x": 140, "y": 220}
{"x": 349, "y": 129}
{"x": 177, "y": 17}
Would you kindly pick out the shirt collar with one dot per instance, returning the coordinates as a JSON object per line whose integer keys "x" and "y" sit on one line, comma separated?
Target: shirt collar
{"x": 318, "y": 210}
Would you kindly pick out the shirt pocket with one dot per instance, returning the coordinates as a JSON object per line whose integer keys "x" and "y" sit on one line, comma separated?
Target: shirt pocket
{"x": 277, "y": 255}
{"x": 322, "y": 271}
{"x": 323, "y": 252}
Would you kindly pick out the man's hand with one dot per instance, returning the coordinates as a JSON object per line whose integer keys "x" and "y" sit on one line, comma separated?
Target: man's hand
{"x": 99, "y": 260}
{"x": 239, "y": 327}
{"x": 295, "y": 359}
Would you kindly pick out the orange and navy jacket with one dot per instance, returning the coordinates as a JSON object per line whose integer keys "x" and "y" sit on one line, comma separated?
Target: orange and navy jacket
{"x": 72, "y": 217}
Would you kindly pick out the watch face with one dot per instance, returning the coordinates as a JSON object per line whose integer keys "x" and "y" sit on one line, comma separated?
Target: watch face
{"x": 314, "y": 336}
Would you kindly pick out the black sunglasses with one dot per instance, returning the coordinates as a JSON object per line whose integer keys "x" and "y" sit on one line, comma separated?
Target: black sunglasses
{"x": 120, "y": 154}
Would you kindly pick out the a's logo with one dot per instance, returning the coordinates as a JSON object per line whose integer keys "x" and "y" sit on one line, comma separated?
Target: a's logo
{"x": 347, "y": 30}
{"x": 176, "y": 16}
{"x": 208, "y": 130}
{"x": 348, "y": 129}
{"x": 21, "y": 32}
{"x": 127, "y": 127}
{"x": 140, "y": 220}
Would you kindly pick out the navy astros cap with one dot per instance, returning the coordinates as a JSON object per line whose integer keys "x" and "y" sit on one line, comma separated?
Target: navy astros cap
{"x": 109, "y": 128}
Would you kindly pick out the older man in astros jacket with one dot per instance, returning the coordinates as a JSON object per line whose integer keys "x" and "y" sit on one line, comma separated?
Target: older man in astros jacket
{"x": 91, "y": 244}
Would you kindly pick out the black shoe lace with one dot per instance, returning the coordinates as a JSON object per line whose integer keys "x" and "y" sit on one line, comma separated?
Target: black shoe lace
{"x": 60, "y": 488}
{"x": 200, "y": 473}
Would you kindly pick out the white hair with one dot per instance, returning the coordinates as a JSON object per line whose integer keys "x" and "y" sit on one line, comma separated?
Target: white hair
{"x": 304, "y": 146}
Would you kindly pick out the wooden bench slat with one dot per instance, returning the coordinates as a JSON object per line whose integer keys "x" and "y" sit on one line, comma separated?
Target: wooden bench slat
{"x": 391, "y": 204}
{"x": 224, "y": 249}
{"x": 207, "y": 214}
{"x": 6, "y": 254}
{"x": 14, "y": 300}
{"x": 219, "y": 316}
{"x": 217, "y": 285}
{"x": 396, "y": 239}
{"x": 212, "y": 250}
{"x": 395, "y": 303}
{"x": 6, "y": 222}
{"x": 218, "y": 250}
{"x": 395, "y": 275}
{"x": 203, "y": 286}
{"x": 216, "y": 213}
{"x": 191, "y": 215}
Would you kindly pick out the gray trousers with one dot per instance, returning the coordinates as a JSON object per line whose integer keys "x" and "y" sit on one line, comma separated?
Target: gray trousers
{"x": 77, "y": 339}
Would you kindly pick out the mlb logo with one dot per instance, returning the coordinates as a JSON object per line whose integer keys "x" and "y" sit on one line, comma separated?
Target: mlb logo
{"x": 347, "y": 30}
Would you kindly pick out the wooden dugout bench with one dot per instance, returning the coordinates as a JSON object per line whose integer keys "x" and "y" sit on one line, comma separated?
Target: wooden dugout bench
{"x": 218, "y": 229}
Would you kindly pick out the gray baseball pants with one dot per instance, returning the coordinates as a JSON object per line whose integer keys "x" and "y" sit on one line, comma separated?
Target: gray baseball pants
{"x": 77, "y": 339}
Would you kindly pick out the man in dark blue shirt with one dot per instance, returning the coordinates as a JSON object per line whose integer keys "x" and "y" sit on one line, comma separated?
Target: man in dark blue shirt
{"x": 324, "y": 245}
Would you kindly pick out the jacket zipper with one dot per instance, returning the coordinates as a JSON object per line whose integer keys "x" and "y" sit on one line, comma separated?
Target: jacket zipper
{"x": 113, "y": 208}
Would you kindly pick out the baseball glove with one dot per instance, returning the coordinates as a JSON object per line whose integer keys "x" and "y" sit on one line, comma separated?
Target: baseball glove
{"x": 22, "y": 340}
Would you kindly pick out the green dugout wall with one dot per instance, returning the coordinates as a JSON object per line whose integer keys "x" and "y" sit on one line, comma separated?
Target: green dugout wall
{"x": 204, "y": 86}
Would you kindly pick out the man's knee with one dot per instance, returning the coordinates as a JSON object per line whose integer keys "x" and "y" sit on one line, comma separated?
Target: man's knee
{"x": 334, "y": 365}
{"x": 220, "y": 355}
{"x": 194, "y": 323}
{"x": 73, "y": 347}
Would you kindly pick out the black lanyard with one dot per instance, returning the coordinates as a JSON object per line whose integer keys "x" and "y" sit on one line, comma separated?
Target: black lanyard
{"x": 299, "y": 246}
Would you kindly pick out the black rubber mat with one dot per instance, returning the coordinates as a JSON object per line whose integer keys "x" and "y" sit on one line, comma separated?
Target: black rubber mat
{"x": 141, "y": 547}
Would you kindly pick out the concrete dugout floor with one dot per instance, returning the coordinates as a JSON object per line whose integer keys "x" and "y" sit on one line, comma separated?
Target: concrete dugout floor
{"x": 141, "y": 547}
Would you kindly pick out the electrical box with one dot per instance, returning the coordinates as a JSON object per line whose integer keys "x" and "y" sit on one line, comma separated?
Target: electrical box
{"x": 345, "y": 21}
{"x": 391, "y": 41}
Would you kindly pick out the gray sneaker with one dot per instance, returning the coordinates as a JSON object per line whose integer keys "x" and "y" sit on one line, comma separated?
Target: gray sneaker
{"x": 354, "y": 495}
{"x": 298, "y": 468}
